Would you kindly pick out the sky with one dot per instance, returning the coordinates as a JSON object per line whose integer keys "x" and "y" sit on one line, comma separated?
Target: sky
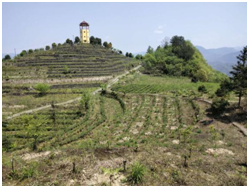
{"x": 131, "y": 27}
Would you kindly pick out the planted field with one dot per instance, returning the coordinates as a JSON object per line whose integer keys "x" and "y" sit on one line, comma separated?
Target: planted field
{"x": 162, "y": 132}
{"x": 148, "y": 84}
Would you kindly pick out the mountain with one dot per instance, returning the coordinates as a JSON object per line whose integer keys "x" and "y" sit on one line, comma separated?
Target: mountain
{"x": 141, "y": 53}
{"x": 221, "y": 59}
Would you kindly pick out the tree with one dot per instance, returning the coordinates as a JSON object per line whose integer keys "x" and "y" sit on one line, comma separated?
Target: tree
{"x": 98, "y": 41}
{"x": 109, "y": 45}
{"x": 68, "y": 41}
{"x": 138, "y": 56}
{"x": 77, "y": 40}
{"x": 47, "y": 47}
{"x": 23, "y": 53}
{"x": 127, "y": 54}
{"x": 120, "y": 52}
{"x": 42, "y": 88}
{"x": 35, "y": 128}
{"x": 150, "y": 50}
{"x": 7, "y": 57}
{"x": 219, "y": 106}
{"x": 53, "y": 45}
{"x": 182, "y": 48}
{"x": 30, "y": 51}
{"x": 85, "y": 101}
{"x": 225, "y": 88}
{"x": 239, "y": 75}
{"x": 130, "y": 55}
{"x": 105, "y": 44}
{"x": 92, "y": 40}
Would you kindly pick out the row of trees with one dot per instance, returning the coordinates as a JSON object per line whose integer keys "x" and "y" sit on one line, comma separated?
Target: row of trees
{"x": 129, "y": 55}
{"x": 93, "y": 40}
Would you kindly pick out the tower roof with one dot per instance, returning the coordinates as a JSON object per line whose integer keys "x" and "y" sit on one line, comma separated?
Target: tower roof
{"x": 84, "y": 23}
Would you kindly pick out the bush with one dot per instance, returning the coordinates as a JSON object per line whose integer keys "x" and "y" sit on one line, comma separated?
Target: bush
{"x": 85, "y": 101}
{"x": 202, "y": 89}
{"x": 47, "y": 47}
{"x": 137, "y": 173}
{"x": 7, "y": 57}
{"x": 42, "y": 88}
{"x": 219, "y": 106}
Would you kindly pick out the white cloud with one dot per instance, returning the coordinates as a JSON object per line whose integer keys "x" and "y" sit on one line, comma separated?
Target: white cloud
{"x": 159, "y": 29}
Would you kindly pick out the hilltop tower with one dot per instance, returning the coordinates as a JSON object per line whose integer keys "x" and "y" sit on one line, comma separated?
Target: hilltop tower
{"x": 84, "y": 32}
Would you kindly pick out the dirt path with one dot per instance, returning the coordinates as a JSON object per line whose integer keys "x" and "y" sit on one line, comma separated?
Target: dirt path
{"x": 239, "y": 126}
{"x": 111, "y": 82}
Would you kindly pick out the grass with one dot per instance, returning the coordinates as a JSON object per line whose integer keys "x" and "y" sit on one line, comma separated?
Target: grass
{"x": 137, "y": 173}
{"x": 149, "y": 84}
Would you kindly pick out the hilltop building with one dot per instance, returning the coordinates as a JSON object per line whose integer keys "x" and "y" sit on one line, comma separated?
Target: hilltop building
{"x": 84, "y": 32}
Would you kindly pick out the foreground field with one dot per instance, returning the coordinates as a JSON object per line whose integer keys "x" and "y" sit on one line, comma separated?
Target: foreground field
{"x": 162, "y": 132}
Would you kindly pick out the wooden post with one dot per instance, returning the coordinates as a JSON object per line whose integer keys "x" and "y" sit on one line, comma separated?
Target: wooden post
{"x": 12, "y": 165}
{"x": 124, "y": 165}
{"x": 74, "y": 169}
{"x": 185, "y": 161}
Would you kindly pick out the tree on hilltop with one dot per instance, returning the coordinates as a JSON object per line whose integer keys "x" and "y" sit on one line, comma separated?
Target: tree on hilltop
{"x": 47, "y": 47}
{"x": 109, "y": 45}
{"x": 7, "y": 57}
{"x": 68, "y": 41}
{"x": 53, "y": 45}
{"x": 77, "y": 40}
{"x": 150, "y": 50}
{"x": 130, "y": 55}
{"x": 105, "y": 44}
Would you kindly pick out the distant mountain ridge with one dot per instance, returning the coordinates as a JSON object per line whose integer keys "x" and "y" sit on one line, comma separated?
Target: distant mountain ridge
{"x": 221, "y": 59}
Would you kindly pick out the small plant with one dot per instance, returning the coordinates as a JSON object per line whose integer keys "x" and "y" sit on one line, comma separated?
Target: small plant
{"x": 29, "y": 171}
{"x": 202, "y": 89}
{"x": 42, "y": 88}
{"x": 66, "y": 70}
{"x": 137, "y": 173}
{"x": 219, "y": 106}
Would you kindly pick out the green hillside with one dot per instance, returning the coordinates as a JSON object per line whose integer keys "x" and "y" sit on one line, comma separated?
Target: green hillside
{"x": 180, "y": 58}
{"x": 66, "y": 61}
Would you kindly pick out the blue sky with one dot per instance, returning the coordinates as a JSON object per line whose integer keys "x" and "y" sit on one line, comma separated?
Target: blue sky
{"x": 130, "y": 27}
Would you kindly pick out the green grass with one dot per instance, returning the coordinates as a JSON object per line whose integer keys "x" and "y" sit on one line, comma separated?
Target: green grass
{"x": 149, "y": 84}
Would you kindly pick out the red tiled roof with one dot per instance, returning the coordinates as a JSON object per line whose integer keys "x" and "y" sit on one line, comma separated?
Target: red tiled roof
{"x": 84, "y": 23}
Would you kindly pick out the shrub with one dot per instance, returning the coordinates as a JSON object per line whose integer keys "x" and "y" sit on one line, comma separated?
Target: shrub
{"x": 137, "y": 173}
{"x": 7, "y": 57}
{"x": 218, "y": 106}
{"x": 202, "y": 89}
{"x": 47, "y": 47}
{"x": 85, "y": 101}
{"x": 42, "y": 88}
{"x": 66, "y": 70}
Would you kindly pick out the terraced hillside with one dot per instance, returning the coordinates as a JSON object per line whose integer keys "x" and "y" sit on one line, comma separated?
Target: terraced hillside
{"x": 81, "y": 60}
{"x": 68, "y": 70}
{"x": 163, "y": 132}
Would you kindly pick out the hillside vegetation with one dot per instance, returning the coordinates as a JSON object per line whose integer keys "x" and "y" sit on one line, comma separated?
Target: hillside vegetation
{"x": 180, "y": 58}
{"x": 67, "y": 61}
